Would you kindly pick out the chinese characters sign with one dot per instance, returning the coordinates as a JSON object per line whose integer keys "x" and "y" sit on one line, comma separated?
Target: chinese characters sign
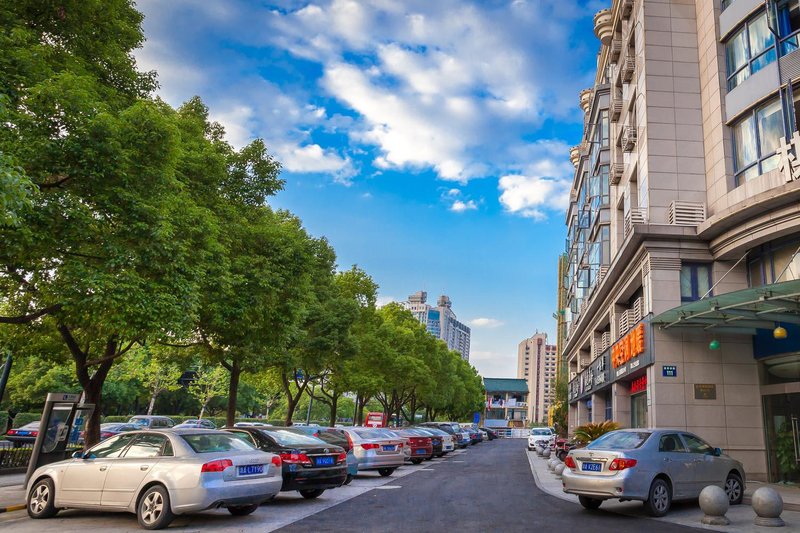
{"x": 788, "y": 164}
{"x": 628, "y": 347}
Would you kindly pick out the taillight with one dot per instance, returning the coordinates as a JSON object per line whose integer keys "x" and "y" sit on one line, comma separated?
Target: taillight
{"x": 276, "y": 461}
{"x": 12, "y": 432}
{"x": 621, "y": 463}
{"x": 370, "y": 446}
{"x": 34, "y": 433}
{"x": 399, "y": 444}
{"x": 342, "y": 458}
{"x": 217, "y": 466}
{"x": 569, "y": 462}
{"x": 349, "y": 440}
{"x": 295, "y": 458}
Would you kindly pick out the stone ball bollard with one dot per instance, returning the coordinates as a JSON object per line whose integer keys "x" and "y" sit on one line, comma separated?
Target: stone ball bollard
{"x": 539, "y": 450}
{"x": 546, "y": 453}
{"x": 768, "y": 506}
{"x": 559, "y": 470}
{"x": 550, "y": 464}
{"x": 714, "y": 503}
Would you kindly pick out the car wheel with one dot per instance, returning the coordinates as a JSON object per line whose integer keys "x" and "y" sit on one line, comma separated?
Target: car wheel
{"x": 310, "y": 494}
{"x": 733, "y": 488}
{"x": 41, "y": 499}
{"x": 348, "y": 479}
{"x": 589, "y": 503}
{"x": 416, "y": 461}
{"x": 659, "y": 499}
{"x": 153, "y": 510}
{"x": 429, "y": 458}
{"x": 242, "y": 510}
{"x": 386, "y": 472}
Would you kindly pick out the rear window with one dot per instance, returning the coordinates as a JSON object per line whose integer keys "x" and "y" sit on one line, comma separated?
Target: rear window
{"x": 373, "y": 433}
{"x": 286, "y": 437}
{"x": 620, "y": 440}
{"x": 334, "y": 437}
{"x": 216, "y": 442}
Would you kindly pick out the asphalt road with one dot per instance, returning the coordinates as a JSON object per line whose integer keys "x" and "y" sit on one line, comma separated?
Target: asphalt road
{"x": 488, "y": 488}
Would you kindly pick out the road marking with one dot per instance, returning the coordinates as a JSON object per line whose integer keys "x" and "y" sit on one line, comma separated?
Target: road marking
{"x": 387, "y": 487}
{"x": 458, "y": 461}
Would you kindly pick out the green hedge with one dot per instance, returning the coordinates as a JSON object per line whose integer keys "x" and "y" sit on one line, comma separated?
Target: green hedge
{"x": 24, "y": 418}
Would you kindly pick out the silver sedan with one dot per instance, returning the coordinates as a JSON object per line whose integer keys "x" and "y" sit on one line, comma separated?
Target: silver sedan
{"x": 377, "y": 449}
{"x": 158, "y": 474}
{"x": 655, "y": 466}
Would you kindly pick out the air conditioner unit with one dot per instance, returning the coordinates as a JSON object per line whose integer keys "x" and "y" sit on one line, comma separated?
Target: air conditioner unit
{"x": 616, "y": 49}
{"x": 628, "y": 138}
{"x": 628, "y": 68}
{"x": 626, "y": 9}
{"x": 686, "y": 213}
{"x": 616, "y": 109}
{"x": 617, "y": 169}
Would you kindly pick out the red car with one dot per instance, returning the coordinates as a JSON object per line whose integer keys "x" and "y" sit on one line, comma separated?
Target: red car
{"x": 419, "y": 444}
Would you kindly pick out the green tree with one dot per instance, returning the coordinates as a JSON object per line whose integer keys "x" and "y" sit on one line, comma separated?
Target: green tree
{"x": 154, "y": 368}
{"x": 209, "y": 383}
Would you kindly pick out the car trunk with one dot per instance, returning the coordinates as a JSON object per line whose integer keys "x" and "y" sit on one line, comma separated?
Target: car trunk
{"x": 595, "y": 462}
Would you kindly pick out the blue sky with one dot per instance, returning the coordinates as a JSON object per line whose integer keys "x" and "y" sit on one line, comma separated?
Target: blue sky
{"x": 428, "y": 141}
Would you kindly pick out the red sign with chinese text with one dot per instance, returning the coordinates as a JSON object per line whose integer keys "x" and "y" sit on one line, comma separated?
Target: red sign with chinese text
{"x": 628, "y": 347}
{"x": 639, "y": 384}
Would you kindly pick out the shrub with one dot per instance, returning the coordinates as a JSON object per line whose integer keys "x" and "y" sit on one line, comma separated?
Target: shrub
{"x": 591, "y": 431}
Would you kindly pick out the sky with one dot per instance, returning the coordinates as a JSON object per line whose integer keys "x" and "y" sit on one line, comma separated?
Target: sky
{"x": 427, "y": 140}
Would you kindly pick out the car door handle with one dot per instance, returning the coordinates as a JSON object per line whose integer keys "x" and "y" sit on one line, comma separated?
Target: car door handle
{"x": 143, "y": 467}
{"x": 103, "y": 468}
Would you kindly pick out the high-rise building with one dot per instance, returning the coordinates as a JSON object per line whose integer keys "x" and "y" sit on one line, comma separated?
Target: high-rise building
{"x": 441, "y": 321}
{"x": 683, "y": 229}
{"x": 536, "y": 364}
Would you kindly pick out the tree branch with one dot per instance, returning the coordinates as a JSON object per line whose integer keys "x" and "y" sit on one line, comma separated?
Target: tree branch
{"x": 27, "y": 319}
{"x": 60, "y": 179}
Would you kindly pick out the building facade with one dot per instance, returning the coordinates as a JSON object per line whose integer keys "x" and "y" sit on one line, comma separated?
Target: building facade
{"x": 441, "y": 321}
{"x": 506, "y": 402}
{"x": 682, "y": 278}
{"x": 536, "y": 364}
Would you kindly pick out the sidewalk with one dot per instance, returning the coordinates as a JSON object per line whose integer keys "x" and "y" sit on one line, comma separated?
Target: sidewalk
{"x": 683, "y": 513}
{"x": 12, "y": 491}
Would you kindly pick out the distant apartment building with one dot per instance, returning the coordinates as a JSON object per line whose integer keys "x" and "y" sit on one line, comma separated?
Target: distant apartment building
{"x": 506, "y": 402}
{"x": 441, "y": 321}
{"x": 536, "y": 364}
{"x": 683, "y": 275}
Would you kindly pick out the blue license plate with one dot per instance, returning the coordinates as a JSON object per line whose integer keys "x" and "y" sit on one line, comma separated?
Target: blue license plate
{"x": 592, "y": 467}
{"x": 250, "y": 470}
{"x": 23, "y": 433}
{"x": 389, "y": 448}
{"x": 323, "y": 461}
{"x": 420, "y": 452}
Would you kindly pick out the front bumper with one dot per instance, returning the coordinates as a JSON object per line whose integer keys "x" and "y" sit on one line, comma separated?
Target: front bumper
{"x": 313, "y": 478}
{"x": 624, "y": 485}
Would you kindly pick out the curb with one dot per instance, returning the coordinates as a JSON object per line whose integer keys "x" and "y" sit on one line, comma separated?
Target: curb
{"x": 10, "y": 508}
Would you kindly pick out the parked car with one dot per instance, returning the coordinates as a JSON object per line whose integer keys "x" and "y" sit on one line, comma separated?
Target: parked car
{"x": 441, "y": 441}
{"x": 202, "y": 423}
{"x": 337, "y": 437}
{"x": 462, "y": 438}
{"x": 250, "y": 424}
{"x": 489, "y": 433}
{"x": 656, "y": 466}
{"x": 376, "y": 449}
{"x": 310, "y": 466}
{"x": 474, "y": 435}
{"x": 543, "y": 437}
{"x": 151, "y": 422}
{"x": 23, "y": 435}
{"x": 418, "y": 445}
{"x": 175, "y": 472}
{"x": 108, "y": 430}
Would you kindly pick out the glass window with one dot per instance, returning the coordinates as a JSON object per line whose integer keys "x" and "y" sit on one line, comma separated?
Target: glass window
{"x": 620, "y": 440}
{"x": 216, "y": 442}
{"x": 755, "y": 140}
{"x": 287, "y": 437}
{"x": 785, "y": 261}
{"x": 112, "y": 447}
{"x": 696, "y": 444}
{"x": 146, "y": 446}
{"x": 695, "y": 281}
{"x": 749, "y": 50}
{"x": 670, "y": 443}
{"x": 788, "y": 25}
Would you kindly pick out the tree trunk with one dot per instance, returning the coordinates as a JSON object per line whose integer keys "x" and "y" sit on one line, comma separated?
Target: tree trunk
{"x": 233, "y": 392}
{"x": 93, "y": 394}
{"x": 334, "y": 406}
{"x": 202, "y": 410}
{"x": 153, "y": 399}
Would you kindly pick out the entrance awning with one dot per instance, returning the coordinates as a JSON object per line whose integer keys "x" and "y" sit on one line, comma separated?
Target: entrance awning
{"x": 741, "y": 312}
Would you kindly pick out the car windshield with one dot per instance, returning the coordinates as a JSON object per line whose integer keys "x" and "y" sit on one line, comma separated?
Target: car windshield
{"x": 538, "y": 432}
{"x": 140, "y": 422}
{"x": 620, "y": 440}
{"x": 216, "y": 442}
{"x": 32, "y": 425}
{"x": 286, "y": 437}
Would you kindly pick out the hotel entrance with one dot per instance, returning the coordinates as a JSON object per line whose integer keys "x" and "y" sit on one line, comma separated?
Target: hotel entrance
{"x": 781, "y": 398}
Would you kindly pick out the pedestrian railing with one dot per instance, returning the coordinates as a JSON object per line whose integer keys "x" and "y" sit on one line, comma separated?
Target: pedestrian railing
{"x": 512, "y": 433}
{"x": 16, "y": 459}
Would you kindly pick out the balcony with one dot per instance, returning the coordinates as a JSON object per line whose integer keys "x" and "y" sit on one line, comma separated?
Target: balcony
{"x": 628, "y": 141}
{"x": 586, "y": 99}
{"x": 628, "y": 68}
{"x": 575, "y": 155}
{"x": 603, "y": 26}
{"x": 636, "y": 215}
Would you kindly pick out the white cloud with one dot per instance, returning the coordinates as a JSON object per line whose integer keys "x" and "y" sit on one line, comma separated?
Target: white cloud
{"x": 383, "y": 300}
{"x": 531, "y": 196}
{"x": 485, "y": 323}
{"x": 453, "y": 192}
{"x": 459, "y": 206}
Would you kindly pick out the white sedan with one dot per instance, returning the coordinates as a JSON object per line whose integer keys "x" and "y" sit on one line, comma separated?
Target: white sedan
{"x": 543, "y": 437}
{"x": 158, "y": 474}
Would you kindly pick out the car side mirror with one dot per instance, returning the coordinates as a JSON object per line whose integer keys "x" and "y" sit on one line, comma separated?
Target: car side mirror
{"x": 77, "y": 455}
{"x": 717, "y": 452}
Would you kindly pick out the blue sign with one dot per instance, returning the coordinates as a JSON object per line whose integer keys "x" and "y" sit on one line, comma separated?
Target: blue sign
{"x": 476, "y": 418}
{"x": 669, "y": 371}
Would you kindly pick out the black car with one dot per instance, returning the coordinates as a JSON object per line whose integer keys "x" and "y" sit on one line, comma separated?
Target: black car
{"x": 491, "y": 433}
{"x": 310, "y": 465}
{"x": 436, "y": 440}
